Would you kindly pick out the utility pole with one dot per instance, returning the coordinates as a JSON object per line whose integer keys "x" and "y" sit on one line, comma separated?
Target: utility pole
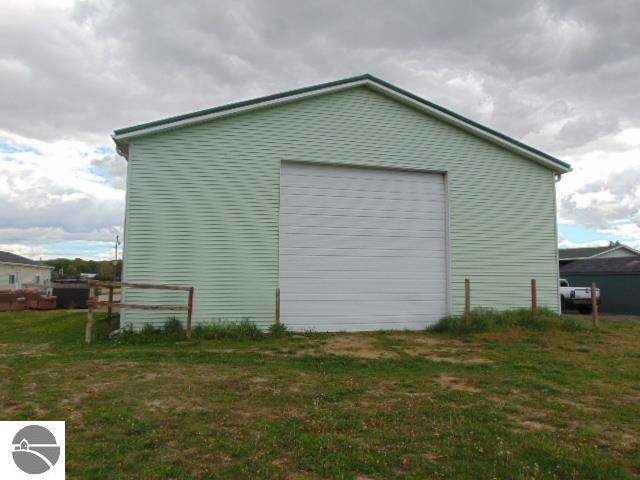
{"x": 115, "y": 264}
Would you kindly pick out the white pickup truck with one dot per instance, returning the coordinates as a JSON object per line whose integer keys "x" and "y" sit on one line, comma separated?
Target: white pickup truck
{"x": 576, "y": 297}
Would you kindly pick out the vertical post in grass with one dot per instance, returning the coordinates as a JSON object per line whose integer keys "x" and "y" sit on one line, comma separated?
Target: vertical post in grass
{"x": 534, "y": 300}
{"x": 189, "y": 312}
{"x": 88, "y": 334}
{"x": 594, "y": 305}
{"x": 109, "y": 307}
{"x": 278, "y": 306}
{"x": 467, "y": 301}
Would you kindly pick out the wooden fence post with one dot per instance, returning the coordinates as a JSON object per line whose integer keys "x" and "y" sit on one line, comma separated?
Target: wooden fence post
{"x": 110, "y": 308}
{"x": 534, "y": 300}
{"x": 88, "y": 334}
{"x": 278, "y": 306}
{"x": 189, "y": 312}
{"x": 467, "y": 301}
{"x": 594, "y": 305}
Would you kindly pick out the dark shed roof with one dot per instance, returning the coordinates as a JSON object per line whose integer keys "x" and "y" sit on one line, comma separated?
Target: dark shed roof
{"x": 8, "y": 257}
{"x": 566, "y": 253}
{"x": 616, "y": 265}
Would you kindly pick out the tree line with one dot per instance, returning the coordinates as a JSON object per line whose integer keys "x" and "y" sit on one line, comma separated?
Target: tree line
{"x": 72, "y": 268}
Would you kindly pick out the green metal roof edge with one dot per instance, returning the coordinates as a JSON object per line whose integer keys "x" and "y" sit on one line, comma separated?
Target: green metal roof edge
{"x": 473, "y": 123}
{"x": 321, "y": 86}
{"x": 244, "y": 103}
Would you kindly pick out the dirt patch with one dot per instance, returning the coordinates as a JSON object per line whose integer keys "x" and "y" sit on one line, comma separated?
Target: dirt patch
{"x": 455, "y": 383}
{"x": 418, "y": 338}
{"x": 420, "y": 352}
{"x": 579, "y": 406}
{"x": 357, "y": 346}
{"x": 39, "y": 349}
{"x": 299, "y": 476}
{"x": 533, "y": 425}
{"x": 166, "y": 404}
{"x": 369, "y": 347}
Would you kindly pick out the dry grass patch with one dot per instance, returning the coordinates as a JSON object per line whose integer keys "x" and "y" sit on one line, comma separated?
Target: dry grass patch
{"x": 534, "y": 425}
{"x": 451, "y": 382}
{"x": 349, "y": 345}
{"x": 451, "y": 359}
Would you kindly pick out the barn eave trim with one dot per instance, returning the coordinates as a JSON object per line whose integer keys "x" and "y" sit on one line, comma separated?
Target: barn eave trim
{"x": 123, "y": 136}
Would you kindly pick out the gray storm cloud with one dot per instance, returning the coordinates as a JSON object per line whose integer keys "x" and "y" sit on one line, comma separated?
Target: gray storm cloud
{"x": 560, "y": 75}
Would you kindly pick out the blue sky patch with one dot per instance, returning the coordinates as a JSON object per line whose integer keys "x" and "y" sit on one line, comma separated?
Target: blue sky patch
{"x": 105, "y": 150}
{"x": 6, "y": 147}
{"x": 581, "y": 234}
{"x": 78, "y": 248}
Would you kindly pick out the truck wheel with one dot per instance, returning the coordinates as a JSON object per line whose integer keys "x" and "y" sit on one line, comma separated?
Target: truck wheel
{"x": 584, "y": 309}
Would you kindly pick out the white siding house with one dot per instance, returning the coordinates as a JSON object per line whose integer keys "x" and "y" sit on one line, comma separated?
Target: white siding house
{"x": 18, "y": 272}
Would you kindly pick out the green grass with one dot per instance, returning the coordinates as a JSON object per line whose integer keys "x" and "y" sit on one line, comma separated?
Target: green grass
{"x": 513, "y": 401}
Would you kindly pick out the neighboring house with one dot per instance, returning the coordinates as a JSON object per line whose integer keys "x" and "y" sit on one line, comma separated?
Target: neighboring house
{"x": 367, "y": 205}
{"x": 613, "y": 250}
{"x": 18, "y": 272}
{"x": 618, "y": 279}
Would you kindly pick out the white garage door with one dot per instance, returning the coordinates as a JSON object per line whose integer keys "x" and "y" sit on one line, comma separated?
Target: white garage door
{"x": 361, "y": 248}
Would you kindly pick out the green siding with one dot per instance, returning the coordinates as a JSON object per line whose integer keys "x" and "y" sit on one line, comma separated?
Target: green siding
{"x": 202, "y": 203}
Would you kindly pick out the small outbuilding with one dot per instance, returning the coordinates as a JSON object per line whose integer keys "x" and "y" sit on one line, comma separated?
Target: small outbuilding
{"x": 367, "y": 205}
{"x": 618, "y": 279}
{"x": 613, "y": 250}
{"x": 18, "y": 272}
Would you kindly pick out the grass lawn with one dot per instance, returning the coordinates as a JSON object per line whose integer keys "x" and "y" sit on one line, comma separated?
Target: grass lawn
{"x": 502, "y": 404}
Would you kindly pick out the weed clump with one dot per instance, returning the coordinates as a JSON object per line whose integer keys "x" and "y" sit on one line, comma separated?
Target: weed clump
{"x": 228, "y": 330}
{"x": 485, "y": 319}
{"x": 278, "y": 330}
{"x": 172, "y": 330}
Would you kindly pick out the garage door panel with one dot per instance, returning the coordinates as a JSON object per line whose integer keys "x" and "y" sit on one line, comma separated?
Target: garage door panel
{"x": 385, "y": 251}
{"x": 354, "y": 192}
{"x": 311, "y": 209}
{"x": 359, "y": 285}
{"x": 343, "y": 278}
{"x": 363, "y": 242}
{"x": 299, "y": 265}
{"x": 361, "y": 249}
{"x": 370, "y": 308}
{"x": 323, "y": 175}
{"x": 317, "y": 265}
{"x": 365, "y": 297}
{"x": 368, "y": 230}
{"x": 363, "y": 323}
{"x": 290, "y": 221}
{"x": 369, "y": 205}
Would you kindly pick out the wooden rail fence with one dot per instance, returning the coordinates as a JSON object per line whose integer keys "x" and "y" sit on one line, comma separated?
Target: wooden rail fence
{"x": 94, "y": 304}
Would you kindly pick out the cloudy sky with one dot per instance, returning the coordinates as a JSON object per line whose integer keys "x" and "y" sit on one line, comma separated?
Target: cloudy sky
{"x": 562, "y": 76}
